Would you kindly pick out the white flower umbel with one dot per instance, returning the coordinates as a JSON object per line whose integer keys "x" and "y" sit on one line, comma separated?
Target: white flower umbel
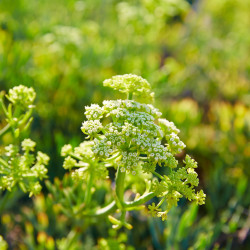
{"x": 133, "y": 138}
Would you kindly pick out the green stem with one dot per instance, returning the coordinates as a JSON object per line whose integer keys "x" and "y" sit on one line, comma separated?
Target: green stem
{"x": 113, "y": 157}
{"x": 160, "y": 203}
{"x": 123, "y": 216}
{"x": 103, "y": 211}
{"x": 88, "y": 194}
{"x": 140, "y": 201}
{"x": 158, "y": 175}
{"x": 76, "y": 157}
{"x": 119, "y": 189}
{"x": 4, "y": 201}
{"x": 3, "y": 162}
{"x": 130, "y": 96}
{"x": 3, "y": 107}
{"x": 4, "y": 130}
{"x": 25, "y": 117}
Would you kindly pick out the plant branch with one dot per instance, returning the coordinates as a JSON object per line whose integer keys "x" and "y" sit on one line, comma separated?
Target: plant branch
{"x": 140, "y": 201}
{"x": 111, "y": 207}
{"x": 4, "y": 129}
{"x": 119, "y": 189}
{"x": 88, "y": 194}
{"x": 158, "y": 175}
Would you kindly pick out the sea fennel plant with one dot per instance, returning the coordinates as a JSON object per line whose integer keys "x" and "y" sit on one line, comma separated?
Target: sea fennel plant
{"x": 132, "y": 138}
{"x": 19, "y": 165}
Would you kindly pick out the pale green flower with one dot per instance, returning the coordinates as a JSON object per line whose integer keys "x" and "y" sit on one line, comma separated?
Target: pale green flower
{"x": 22, "y": 95}
{"x": 28, "y": 145}
{"x": 130, "y": 83}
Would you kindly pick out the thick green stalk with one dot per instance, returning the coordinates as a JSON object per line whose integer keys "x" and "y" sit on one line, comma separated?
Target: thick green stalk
{"x": 4, "y": 129}
{"x": 119, "y": 189}
{"x": 3, "y": 106}
{"x": 76, "y": 157}
{"x": 140, "y": 201}
{"x": 158, "y": 175}
{"x": 130, "y": 96}
{"x": 88, "y": 194}
{"x": 110, "y": 208}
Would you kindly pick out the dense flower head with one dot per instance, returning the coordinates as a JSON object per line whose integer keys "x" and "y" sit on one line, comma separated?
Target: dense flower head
{"x": 133, "y": 133}
{"x": 42, "y": 158}
{"x": 66, "y": 150}
{"x": 91, "y": 127}
{"x": 175, "y": 145}
{"x": 168, "y": 127}
{"x": 23, "y": 168}
{"x": 130, "y": 83}
{"x": 69, "y": 163}
{"x": 22, "y": 95}
{"x": 84, "y": 150}
{"x": 190, "y": 163}
{"x": 82, "y": 157}
{"x": 133, "y": 138}
{"x": 93, "y": 112}
{"x": 28, "y": 145}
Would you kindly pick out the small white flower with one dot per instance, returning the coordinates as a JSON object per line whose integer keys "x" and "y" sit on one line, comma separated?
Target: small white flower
{"x": 123, "y": 169}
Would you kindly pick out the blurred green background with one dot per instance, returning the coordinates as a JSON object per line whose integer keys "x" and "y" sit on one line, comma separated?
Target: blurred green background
{"x": 196, "y": 56}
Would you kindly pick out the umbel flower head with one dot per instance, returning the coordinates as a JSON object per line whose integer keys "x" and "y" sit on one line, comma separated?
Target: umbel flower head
{"x": 135, "y": 131}
{"x": 130, "y": 83}
{"x": 132, "y": 137}
{"x": 22, "y": 95}
{"x": 24, "y": 169}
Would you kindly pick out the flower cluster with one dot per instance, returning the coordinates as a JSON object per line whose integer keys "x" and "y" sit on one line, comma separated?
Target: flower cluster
{"x": 130, "y": 83}
{"x": 133, "y": 138}
{"x": 175, "y": 145}
{"x": 94, "y": 112}
{"x": 23, "y": 169}
{"x": 129, "y": 161}
{"x": 179, "y": 184}
{"x": 83, "y": 158}
{"x": 18, "y": 112}
{"x": 22, "y": 95}
{"x": 133, "y": 134}
{"x": 91, "y": 127}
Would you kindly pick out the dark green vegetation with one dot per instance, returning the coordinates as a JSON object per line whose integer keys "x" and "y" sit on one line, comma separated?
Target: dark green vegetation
{"x": 197, "y": 59}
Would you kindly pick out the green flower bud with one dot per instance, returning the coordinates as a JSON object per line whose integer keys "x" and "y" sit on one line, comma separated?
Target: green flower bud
{"x": 153, "y": 209}
{"x": 40, "y": 171}
{"x": 200, "y": 198}
{"x": 35, "y": 189}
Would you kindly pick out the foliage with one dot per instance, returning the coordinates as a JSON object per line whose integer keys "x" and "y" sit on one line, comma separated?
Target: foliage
{"x": 15, "y": 168}
{"x": 130, "y": 142}
{"x": 195, "y": 54}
